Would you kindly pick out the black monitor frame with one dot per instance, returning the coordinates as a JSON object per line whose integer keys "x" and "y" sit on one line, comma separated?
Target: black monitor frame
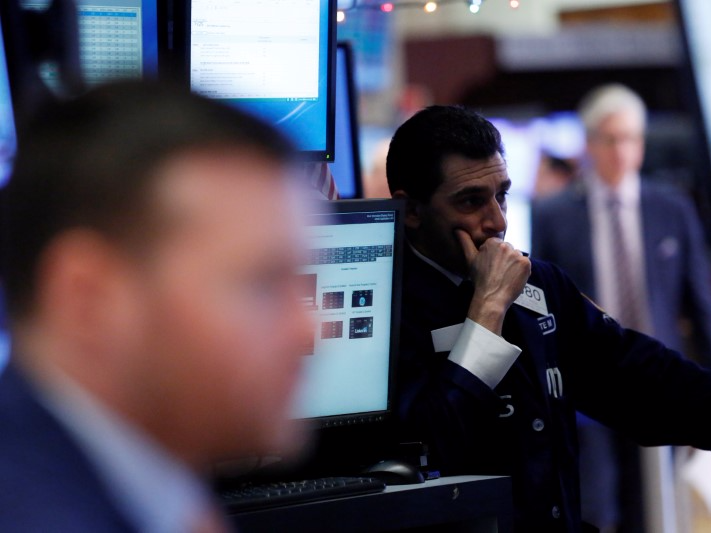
{"x": 341, "y": 444}
{"x": 344, "y": 444}
{"x": 353, "y": 131}
{"x": 5, "y": 58}
{"x": 27, "y": 89}
{"x": 179, "y": 47}
{"x": 692, "y": 89}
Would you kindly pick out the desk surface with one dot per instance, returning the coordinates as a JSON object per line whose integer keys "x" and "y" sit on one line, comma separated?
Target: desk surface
{"x": 458, "y": 503}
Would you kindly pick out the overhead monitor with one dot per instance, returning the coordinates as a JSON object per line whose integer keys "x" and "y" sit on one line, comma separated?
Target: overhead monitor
{"x": 274, "y": 59}
{"x": 7, "y": 153}
{"x": 118, "y": 39}
{"x": 352, "y": 288}
{"x": 346, "y": 169}
{"x": 8, "y": 142}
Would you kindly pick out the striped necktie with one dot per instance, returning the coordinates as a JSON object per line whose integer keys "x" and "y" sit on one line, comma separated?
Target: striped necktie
{"x": 627, "y": 289}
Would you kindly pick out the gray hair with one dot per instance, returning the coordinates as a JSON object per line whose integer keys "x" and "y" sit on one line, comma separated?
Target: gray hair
{"x": 609, "y": 99}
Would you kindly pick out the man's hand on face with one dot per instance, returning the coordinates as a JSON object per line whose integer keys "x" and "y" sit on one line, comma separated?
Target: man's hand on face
{"x": 499, "y": 273}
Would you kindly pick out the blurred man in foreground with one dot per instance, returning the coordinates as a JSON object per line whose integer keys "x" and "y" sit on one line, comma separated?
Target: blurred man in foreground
{"x": 156, "y": 327}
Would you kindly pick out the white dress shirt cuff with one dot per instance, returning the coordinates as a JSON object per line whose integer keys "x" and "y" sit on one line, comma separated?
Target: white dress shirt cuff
{"x": 483, "y": 353}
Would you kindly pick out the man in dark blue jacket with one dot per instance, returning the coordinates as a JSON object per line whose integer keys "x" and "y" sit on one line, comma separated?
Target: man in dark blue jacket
{"x": 614, "y": 217}
{"x": 498, "y": 351}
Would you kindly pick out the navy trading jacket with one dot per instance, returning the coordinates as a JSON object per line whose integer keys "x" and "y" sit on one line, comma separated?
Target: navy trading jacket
{"x": 574, "y": 357}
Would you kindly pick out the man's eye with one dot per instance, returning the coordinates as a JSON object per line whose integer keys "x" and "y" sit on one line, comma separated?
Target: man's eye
{"x": 471, "y": 202}
{"x": 501, "y": 197}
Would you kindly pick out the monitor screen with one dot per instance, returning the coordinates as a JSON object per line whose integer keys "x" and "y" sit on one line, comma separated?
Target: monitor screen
{"x": 118, "y": 39}
{"x": 7, "y": 120}
{"x": 352, "y": 288}
{"x": 274, "y": 59}
{"x": 346, "y": 165}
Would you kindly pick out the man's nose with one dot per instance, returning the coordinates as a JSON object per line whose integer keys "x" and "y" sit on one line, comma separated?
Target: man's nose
{"x": 495, "y": 219}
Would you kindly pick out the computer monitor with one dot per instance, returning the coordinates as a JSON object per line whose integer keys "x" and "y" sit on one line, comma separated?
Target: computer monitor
{"x": 274, "y": 59}
{"x": 8, "y": 145}
{"x": 352, "y": 287}
{"x": 118, "y": 39}
{"x": 346, "y": 169}
{"x": 8, "y": 141}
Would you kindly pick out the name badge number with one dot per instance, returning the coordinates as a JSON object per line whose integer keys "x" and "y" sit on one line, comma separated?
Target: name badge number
{"x": 533, "y": 299}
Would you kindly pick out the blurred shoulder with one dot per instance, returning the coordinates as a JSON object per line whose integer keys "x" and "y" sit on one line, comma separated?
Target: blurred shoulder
{"x": 569, "y": 198}
{"x": 665, "y": 193}
{"x": 546, "y": 273}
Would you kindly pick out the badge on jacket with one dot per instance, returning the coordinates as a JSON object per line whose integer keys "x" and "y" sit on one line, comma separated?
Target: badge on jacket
{"x": 533, "y": 299}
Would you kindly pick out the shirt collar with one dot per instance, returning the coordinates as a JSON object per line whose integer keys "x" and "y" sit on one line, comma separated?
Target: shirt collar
{"x": 451, "y": 276}
{"x": 155, "y": 491}
{"x": 627, "y": 192}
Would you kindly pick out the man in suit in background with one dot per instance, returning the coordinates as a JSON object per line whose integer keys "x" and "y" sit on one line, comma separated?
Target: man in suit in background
{"x": 637, "y": 249}
{"x": 155, "y": 327}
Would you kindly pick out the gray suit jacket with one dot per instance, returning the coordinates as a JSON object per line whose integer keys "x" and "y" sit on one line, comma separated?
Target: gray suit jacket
{"x": 677, "y": 268}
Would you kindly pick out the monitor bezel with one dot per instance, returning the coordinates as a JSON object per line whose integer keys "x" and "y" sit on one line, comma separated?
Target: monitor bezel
{"x": 181, "y": 45}
{"x": 26, "y": 88}
{"x": 338, "y": 444}
{"x": 350, "y": 420}
{"x": 692, "y": 90}
{"x": 352, "y": 105}
{"x": 6, "y": 57}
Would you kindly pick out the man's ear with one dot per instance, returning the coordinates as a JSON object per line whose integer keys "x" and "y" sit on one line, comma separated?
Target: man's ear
{"x": 78, "y": 275}
{"x": 412, "y": 209}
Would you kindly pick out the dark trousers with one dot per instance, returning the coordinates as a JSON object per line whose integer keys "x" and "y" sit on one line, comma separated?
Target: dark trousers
{"x": 610, "y": 479}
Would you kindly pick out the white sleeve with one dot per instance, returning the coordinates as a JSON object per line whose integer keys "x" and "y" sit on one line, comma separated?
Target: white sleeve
{"x": 478, "y": 350}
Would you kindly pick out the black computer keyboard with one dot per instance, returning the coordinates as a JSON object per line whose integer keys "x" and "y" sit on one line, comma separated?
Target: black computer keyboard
{"x": 250, "y": 496}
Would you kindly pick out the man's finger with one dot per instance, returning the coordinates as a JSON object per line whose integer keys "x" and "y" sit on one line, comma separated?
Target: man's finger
{"x": 470, "y": 251}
